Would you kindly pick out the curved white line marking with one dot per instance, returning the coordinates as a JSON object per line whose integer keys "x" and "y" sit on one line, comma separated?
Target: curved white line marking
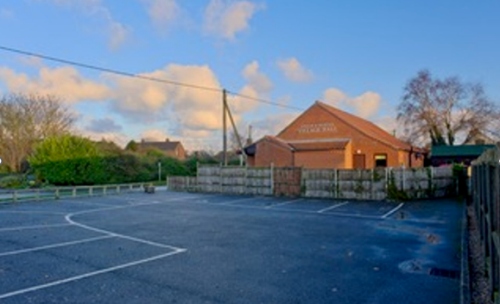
{"x": 69, "y": 219}
{"x": 89, "y": 274}
{"x": 174, "y": 250}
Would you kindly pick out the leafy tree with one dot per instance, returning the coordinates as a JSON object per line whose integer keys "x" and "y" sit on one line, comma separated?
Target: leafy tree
{"x": 109, "y": 147}
{"x": 132, "y": 146}
{"x": 444, "y": 111}
{"x": 68, "y": 159}
{"x": 27, "y": 119}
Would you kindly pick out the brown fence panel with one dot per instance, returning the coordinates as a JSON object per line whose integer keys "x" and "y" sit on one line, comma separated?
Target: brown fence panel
{"x": 287, "y": 181}
{"x": 485, "y": 190}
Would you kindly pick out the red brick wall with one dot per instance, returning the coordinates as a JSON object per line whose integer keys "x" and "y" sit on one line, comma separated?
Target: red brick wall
{"x": 268, "y": 152}
{"x": 333, "y": 159}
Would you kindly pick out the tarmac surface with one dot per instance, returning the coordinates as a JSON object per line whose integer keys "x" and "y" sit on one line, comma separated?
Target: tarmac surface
{"x": 173, "y": 247}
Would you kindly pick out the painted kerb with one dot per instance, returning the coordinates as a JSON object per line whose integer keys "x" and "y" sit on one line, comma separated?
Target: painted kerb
{"x": 373, "y": 184}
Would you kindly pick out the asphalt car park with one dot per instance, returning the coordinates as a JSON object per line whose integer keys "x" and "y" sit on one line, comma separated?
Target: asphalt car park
{"x": 173, "y": 247}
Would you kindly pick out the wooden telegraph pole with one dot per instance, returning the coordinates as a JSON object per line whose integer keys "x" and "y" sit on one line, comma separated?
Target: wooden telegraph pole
{"x": 224, "y": 127}
{"x": 227, "y": 112}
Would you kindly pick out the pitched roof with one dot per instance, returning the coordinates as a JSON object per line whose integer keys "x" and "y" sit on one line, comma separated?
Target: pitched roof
{"x": 161, "y": 145}
{"x": 366, "y": 127}
{"x": 319, "y": 145}
{"x": 459, "y": 151}
{"x": 301, "y": 145}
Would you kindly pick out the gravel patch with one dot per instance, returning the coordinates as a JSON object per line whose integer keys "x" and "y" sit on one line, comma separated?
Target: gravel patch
{"x": 480, "y": 288}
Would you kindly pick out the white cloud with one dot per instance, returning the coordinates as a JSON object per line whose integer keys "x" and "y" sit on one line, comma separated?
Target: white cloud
{"x": 334, "y": 96}
{"x": 365, "y": 105}
{"x": 117, "y": 33}
{"x": 258, "y": 87}
{"x": 294, "y": 70}
{"x": 188, "y": 108}
{"x": 162, "y": 13}
{"x": 64, "y": 82}
{"x": 154, "y": 135}
{"x": 227, "y": 18}
{"x": 272, "y": 124}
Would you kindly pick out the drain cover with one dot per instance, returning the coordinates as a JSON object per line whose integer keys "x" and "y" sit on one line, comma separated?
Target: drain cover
{"x": 447, "y": 273}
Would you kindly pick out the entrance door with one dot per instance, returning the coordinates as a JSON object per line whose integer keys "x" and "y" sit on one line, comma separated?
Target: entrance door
{"x": 359, "y": 161}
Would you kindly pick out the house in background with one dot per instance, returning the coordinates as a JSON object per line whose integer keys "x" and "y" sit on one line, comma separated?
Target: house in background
{"x": 169, "y": 148}
{"x": 326, "y": 137}
{"x": 463, "y": 154}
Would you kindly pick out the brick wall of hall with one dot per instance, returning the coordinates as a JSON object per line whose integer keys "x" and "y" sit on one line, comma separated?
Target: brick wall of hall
{"x": 333, "y": 159}
{"x": 303, "y": 128}
{"x": 268, "y": 153}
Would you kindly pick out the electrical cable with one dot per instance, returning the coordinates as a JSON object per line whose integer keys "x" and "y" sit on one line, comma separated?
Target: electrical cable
{"x": 138, "y": 76}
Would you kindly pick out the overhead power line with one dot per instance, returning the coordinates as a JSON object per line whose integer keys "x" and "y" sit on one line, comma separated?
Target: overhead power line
{"x": 138, "y": 76}
{"x": 265, "y": 101}
{"x": 107, "y": 70}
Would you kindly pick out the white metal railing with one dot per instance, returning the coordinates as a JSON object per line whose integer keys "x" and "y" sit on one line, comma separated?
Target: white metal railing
{"x": 54, "y": 193}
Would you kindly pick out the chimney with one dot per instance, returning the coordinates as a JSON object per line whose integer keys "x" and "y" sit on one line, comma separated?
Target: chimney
{"x": 167, "y": 140}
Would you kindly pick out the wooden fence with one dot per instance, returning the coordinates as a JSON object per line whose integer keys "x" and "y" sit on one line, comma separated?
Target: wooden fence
{"x": 374, "y": 184}
{"x": 485, "y": 190}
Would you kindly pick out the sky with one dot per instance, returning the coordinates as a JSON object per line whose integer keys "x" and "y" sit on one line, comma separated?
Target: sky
{"x": 354, "y": 55}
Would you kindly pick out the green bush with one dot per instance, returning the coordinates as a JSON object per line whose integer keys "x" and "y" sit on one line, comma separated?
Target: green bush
{"x": 14, "y": 181}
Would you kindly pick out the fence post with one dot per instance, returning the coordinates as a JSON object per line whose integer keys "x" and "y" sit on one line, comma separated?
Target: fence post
{"x": 73, "y": 192}
{"x": 57, "y": 193}
{"x": 335, "y": 183}
{"x": 91, "y": 191}
{"x": 387, "y": 182}
{"x": 372, "y": 196}
{"x": 14, "y": 196}
{"x": 272, "y": 178}
{"x": 246, "y": 180}
{"x": 220, "y": 178}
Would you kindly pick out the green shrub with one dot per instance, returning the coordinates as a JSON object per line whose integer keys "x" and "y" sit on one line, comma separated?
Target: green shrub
{"x": 14, "y": 181}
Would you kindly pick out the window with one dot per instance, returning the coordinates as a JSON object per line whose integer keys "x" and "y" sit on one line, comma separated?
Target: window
{"x": 380, "y": 160}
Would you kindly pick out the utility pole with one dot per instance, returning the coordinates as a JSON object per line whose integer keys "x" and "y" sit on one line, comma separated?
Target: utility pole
{"x": 224, "y": 127}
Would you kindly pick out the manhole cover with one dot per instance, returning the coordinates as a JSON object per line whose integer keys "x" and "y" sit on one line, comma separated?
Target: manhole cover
{"x": 446, "y": 273}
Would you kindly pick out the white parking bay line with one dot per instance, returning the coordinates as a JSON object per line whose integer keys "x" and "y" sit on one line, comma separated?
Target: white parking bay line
{"x": 283, "y": 203}
{"x": 55, "y": 245}
{"x": 89, "y": 274}
{"x": 236, "y": 201}
{"x": 392, "y": 211}
{"x": 332, "y": 207}
{"x": 32, "y": 227}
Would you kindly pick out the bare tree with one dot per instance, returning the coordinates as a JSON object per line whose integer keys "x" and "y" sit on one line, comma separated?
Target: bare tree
{"x": 444, "y": 112}
{"x": 27, "y": 119}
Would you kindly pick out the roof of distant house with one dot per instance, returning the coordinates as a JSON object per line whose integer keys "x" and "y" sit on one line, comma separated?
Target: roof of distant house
{"x": 166, "y": 145}
{"x": 459, "y": 151}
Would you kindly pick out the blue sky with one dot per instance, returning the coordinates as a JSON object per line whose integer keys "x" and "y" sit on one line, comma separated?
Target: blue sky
{"x": 355, "y": 55}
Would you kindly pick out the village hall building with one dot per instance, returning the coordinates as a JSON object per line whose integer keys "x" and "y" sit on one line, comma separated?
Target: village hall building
{"x": 328, "y": 138}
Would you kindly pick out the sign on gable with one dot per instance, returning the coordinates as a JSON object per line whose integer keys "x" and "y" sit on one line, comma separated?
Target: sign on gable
{"x": 326, "y": 127}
